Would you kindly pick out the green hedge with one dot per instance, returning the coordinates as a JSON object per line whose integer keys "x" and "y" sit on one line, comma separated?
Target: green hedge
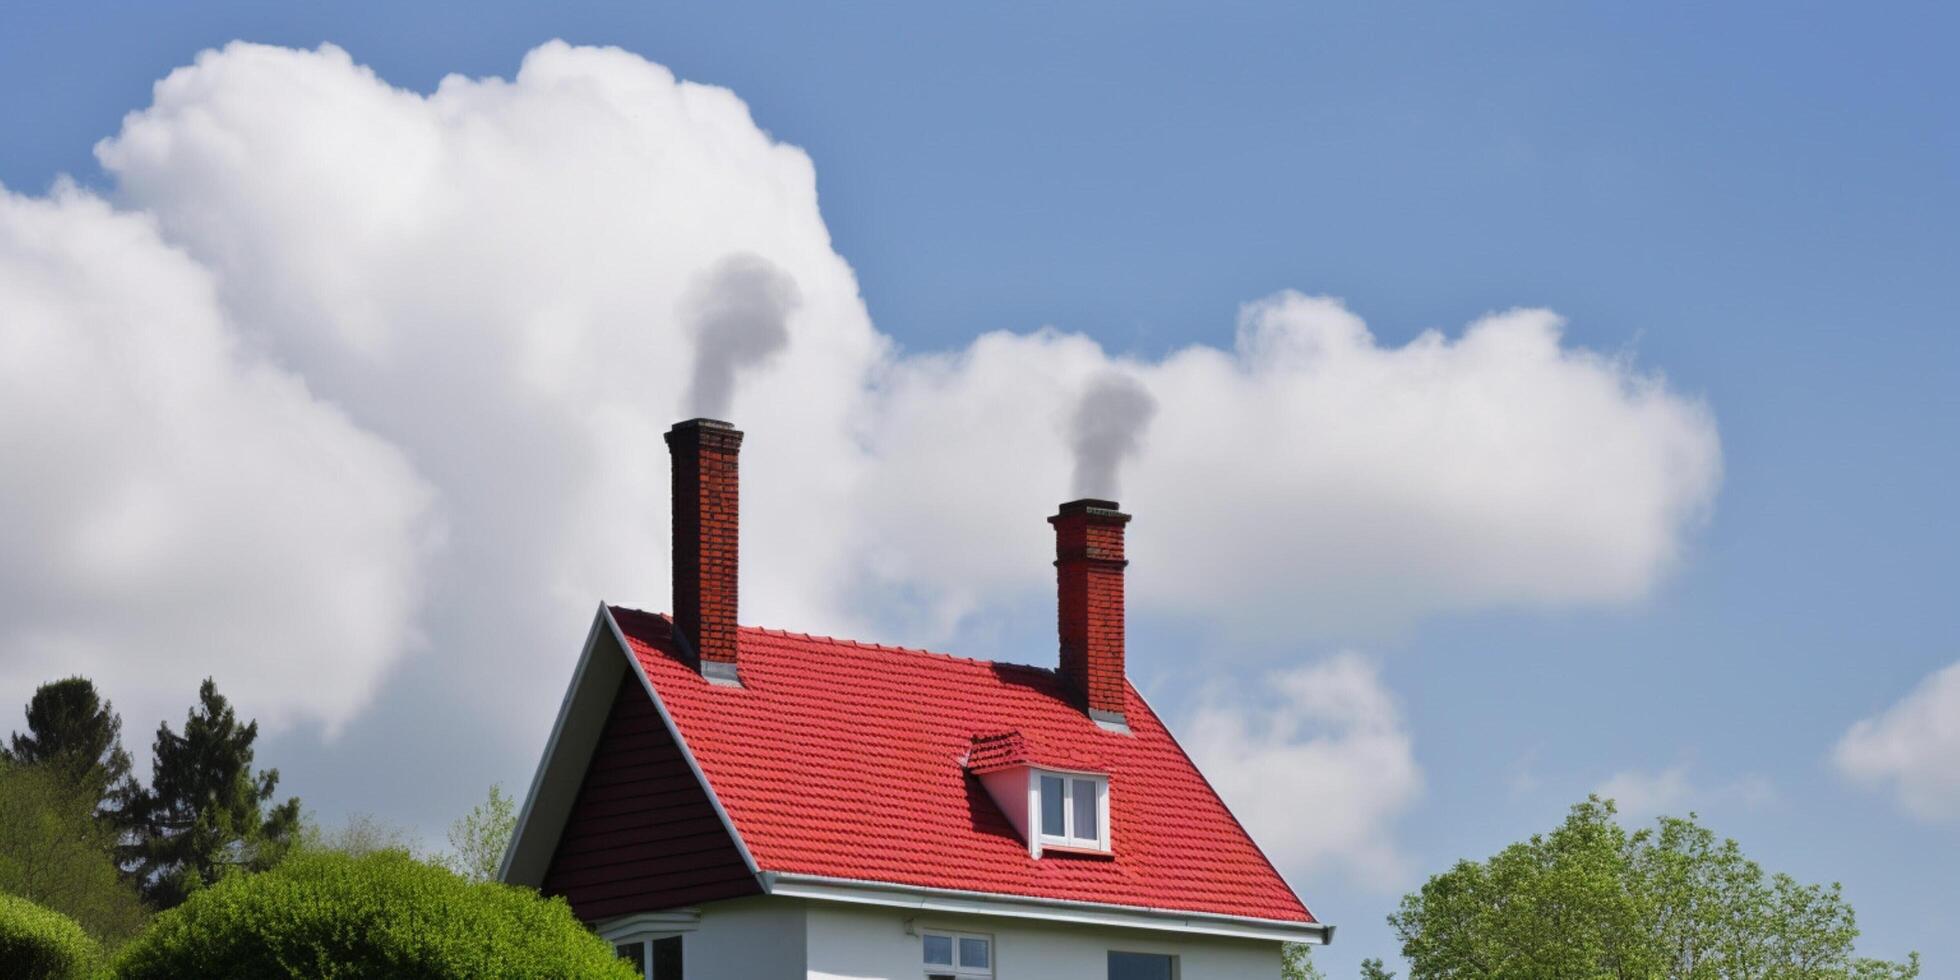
{"x": 41, "y": 944}
{"x": 380, "y": 915}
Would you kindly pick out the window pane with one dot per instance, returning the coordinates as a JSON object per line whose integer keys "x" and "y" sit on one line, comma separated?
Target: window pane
{"x": 1139, "y": 966}
{"x": 667, "y": 958}
{"x": 939, "y": 950}
{"x": 634, "y": 953}
{"x": 1085, "y": 809}
{"x": 973, "y": 953}
{"x": 1051, "y": 806}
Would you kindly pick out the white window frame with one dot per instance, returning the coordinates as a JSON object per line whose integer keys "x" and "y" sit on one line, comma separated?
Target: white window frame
{"x": 1071, "y": 837}
{"x": 645, "y": 928}
{"x": 957, "y": 969}
{"x": 645, "y": 941}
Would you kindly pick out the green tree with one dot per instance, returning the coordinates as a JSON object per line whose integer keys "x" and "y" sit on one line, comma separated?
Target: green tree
{"x": 477, "y": 841}
{"x": 54, "y": 853}
{"x": 331, "y": 915}
{"x": 75, "y": 731}
{"x": 1591, "y": 901}
{"x": 205, "y": 811}
{"x": 1296, "y": 963}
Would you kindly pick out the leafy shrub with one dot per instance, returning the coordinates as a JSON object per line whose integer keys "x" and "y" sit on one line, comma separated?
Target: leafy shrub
{"x": 42, "y": 944}
{"x": 56, "y": 853}
{"x": 383, "y": 914}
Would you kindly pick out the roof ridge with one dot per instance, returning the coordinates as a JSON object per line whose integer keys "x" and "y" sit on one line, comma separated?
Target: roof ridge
{"x": 860, "y": 644}
{"x": 846, "y": 641}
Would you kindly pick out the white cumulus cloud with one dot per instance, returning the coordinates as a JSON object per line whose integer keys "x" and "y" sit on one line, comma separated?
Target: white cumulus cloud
{"x": 479, "y": 307}
{"x": 174, "y": 505}
{"x": 1310, "y": 473}
{"x": 1317, "y": 767}
{"x": 1912, "y": 748}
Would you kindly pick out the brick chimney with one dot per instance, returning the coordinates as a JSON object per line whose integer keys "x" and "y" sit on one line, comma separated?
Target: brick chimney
{"x": 707, "y": 526}
{"x": 1089, "y": 571}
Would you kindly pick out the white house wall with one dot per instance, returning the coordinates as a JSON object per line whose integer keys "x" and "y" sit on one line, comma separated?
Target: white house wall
{"x": 747, "y": 939}
{"x": 853, "y": 942}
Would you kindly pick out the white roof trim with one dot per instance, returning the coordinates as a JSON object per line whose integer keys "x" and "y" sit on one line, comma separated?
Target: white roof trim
{"x": 947, "y": 900}
{"x": 640, "y": 924}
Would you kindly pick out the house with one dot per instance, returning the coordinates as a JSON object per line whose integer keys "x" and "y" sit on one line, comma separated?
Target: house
{"x": 722, "y": 801}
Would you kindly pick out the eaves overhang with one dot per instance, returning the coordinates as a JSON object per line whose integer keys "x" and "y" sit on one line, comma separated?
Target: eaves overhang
{"x": 952, "y": 901}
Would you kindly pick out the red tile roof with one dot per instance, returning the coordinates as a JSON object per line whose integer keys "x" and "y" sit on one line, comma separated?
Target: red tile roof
{"x": 849, "y": 760}
{"x": 1005, "y": 750}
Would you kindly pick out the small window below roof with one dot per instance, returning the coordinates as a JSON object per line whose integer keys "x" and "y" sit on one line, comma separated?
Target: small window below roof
{"x": 958, "y": 956}
{"x": 653, "y": 959}
{"x": 1142, "y": 966}
{"x": 1073, "y": 810}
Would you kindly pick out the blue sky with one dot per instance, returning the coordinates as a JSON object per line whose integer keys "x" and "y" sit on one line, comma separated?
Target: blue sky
{"x": 1758, "y": 202}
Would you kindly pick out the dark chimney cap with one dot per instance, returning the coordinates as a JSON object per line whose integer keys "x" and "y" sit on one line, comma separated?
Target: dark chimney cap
{"x": 703, "y": 424}
{"x": 1092, "y": 507}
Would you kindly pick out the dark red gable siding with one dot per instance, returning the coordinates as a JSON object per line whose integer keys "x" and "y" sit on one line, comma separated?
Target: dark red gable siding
{"x": 642, "y": 835}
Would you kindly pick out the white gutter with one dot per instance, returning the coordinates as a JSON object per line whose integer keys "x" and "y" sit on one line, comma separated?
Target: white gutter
{"x": 953, "y": 901}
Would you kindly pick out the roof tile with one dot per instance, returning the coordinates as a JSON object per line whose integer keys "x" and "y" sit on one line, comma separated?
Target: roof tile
{"x": 851, "y": 760}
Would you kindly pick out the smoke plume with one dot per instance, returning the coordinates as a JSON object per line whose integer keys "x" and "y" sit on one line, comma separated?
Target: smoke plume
{"x": 1107, "y": 428}
{"x": 738, "y": 314}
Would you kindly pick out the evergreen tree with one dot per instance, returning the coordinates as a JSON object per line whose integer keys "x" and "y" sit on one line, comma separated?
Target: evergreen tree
{"x": 205, "y": 813}
{"x": 76, "y": 733}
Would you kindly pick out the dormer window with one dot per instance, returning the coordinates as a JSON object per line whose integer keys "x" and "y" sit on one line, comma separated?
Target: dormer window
{"x": 1073, "y": 809}
{"x": 1056, "y": 798}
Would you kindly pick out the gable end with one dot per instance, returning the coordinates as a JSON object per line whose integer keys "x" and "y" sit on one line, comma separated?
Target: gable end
{"x": 642, "y": 834}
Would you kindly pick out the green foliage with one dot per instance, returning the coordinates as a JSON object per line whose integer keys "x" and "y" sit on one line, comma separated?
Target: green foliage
{"x": 204, "y": 814}
{"x": 477, "y": 840}
{"x": 1590, "y": 901}
{"x": 74, "y": 731}
{"x": 333, "y": 916}
{"x": 55, "y": 852}
{"x": 361, "y": 835}
{"x": 41, "y": 944}
{"x": 1296, "y": 963}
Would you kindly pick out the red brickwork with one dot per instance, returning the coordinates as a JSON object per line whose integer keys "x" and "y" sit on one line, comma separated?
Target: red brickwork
{"x": 1089, "y": 566}
{"x": 707, "y": 534}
